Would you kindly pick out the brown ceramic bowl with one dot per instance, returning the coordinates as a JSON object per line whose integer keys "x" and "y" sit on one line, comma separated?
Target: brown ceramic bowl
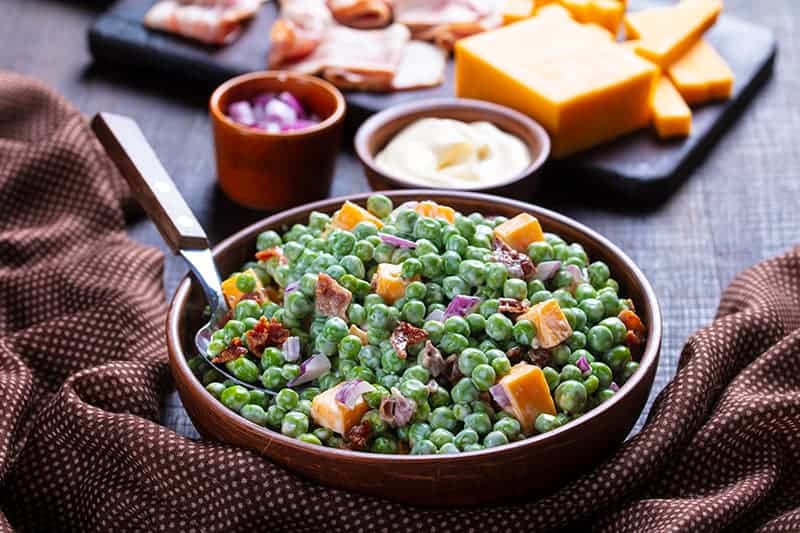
{"x": 276, "y": 170}
{"x": 523, "y": 469}
{"x": 379, "y": 129}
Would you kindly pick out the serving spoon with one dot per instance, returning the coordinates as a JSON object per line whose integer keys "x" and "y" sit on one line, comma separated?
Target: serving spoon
{"x": 155, "y": 191}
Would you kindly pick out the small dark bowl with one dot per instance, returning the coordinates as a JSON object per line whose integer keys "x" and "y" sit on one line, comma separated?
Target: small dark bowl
{"x": 523, "y": 469}
{"x": 379, "y": 129}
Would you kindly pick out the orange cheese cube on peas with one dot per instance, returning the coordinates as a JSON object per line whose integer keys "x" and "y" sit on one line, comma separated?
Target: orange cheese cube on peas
{"x": 519, "y": 232}
{"x": 528, "y": 394}
{"x": 389, "y": 284}
{"x": 552, "y": 327}
{"x": 350, "y": 214}
{"x": 516, "y": 10}
{"x": 701, "y": 75}
{"x": 671, "y": 116}
{"x": 232, "y": 292}
{"x": 360, "y": 333}
{"x": 336, "y": 416}
{"x": 433, "y": 210}
{"x": 666, "y": 33}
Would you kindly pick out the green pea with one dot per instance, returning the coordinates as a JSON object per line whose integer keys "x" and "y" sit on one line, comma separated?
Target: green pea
{"x": 576, "y": 341}
{"x": 275, "y": 416}
{"x": 540, "y": 251}
{"x": 524, "y": 332}
{"x": 564, "y": 298}
{"x": 379, "y": 205}
{"x": 469, "y": 359}
{"x": 235, "y": 328}
{"x": 594, "y": 310}
{"x": 617, "y": 357}
{"x": 443, "y": 417}
{"x": 501, "y": 366}
{"x": 570, "y": 396}
{"x": 414, "y": 312}
{"x": 466, "y": 437}
{"x": 454, "y": 286}
{"x": 457, "y": 324}
{"x": 255, "y": 414}
{"x": 515, "y": 288}
{"x": 540, "y": 296}
{"x": 496, "y": 275}
{"x": 560, "y": 251}
{"x": 418, "y": 432}
{"x": 499, "y": 327}
{"x": 423, "y": 447}
{"x": 603, "y": 373}
{"x": 630, "y": 368}
{"x": 483, "y": 377}
{"x": 310, "y": 438}
{"x": 453, "y": 343}
{"x": 464, "y": 391}
{"x": 309, "y": 393}
{"x": 410, "y": 268}
{"x": 294, "y": 424}
{"x": 268, "y": 309}
{"x": 290, "y": 371}
{"x": 476, "y": 323}
{"x": 272, "y": 356}
{"x": 598, "y": 274}
{"x": 479, "y": 422}
{"x": 406, "y": 219}
{"x": 604, "y": 395}
{"x": 472, "y": 271}
{"x": 495, "y": 438}
{"x": 591, "y": 384}
{"x": 234, "y": 397}
{"x": 509, "y": 426}
{"x": 535, "y": 286}
{"x": 560, "y": 354}
{"x": 215, "y": 389}
{"x": 489, "y": 307}
{"x": 293, "y": 250}
{"x": 562, "y": 279}
{"x": 243, "y": 369}
{"x": 458, "y": 244}
{"x": 552, "y": 376}
{"x": 336, "y": 272}
{"x": 272, "y": 378}
{"x": 617, "y": 327}
{"x": 414, "y": 390}
{"x": 451, "y": 261}
{"x": 383, "y": 252}
{"x": 267, "y": 239}
{"x": 600, "y": 339}
{"x": 215, "y": 347}
{"x": 571, "y": 372}
{"x": 611, "y": 305}
{"x": 435, "y": 331}
{"x": 392, "y": 363}
{"x": 575, "y": 356}
{"x": 441, "y": 436}
{"x": 546, "y": 422}
{"x": 417, "y": 372}
{"x": 585, "y": 291}
{"x": 245, "y": 283}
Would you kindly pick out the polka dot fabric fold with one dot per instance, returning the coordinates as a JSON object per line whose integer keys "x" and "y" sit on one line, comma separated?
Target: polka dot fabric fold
{"x": 83, "y": 369}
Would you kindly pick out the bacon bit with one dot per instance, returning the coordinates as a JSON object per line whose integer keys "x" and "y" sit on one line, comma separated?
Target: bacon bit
{"x": 451, "y": 372}
{"x": 404, "y": 335}
{"x": 515, "y": 354}
{"x": 356, "y": 437}
{"x": 269, "y": 253}
{"x": 397, "y": 410}
{"x": 632, "y": 322}
{"x": 266, "y": 333}
{"x": 634, "y": 343}
{"x": 432, "y": 359}
{"x": 259, "y": 296}
{"x": 512, "y": 306}
{"x": 539, "y": 357}
{"x": 519, "y": 265}
{"x": 332, "y": 298}
{"x": 231, "y": 353}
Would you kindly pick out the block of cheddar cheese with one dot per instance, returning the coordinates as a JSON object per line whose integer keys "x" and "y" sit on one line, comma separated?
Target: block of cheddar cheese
{"x": 528, "y": 394}
{"x": 516, "y": 10}
{"x": 701, "y": 75}
{"x": 520, "y": 231}
{"x": 671, "y": 116}
{"x": 666, "y": 33}
{"x": 576, "y": 82}
{"x": 334, "y": 415}
{"x": 552, "y": 327}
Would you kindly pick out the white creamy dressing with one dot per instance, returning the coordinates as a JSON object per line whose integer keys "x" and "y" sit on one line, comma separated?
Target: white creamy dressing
{"x": 450, "y": 153}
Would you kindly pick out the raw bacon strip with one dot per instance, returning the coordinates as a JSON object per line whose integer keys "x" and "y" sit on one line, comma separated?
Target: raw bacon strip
{"x": 422, "y": 65}
{"x": 362, "y": 14}
{"x": 299, "y": 31}
{"x": 212, "y": 22}
{"x": 444, "y": 22}
{"x": 266, "y": 333}
{"x": 331, "y": 298}
{"x": 405, "y": 335}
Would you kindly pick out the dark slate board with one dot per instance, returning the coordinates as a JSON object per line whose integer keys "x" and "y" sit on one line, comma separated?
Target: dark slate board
{"x": 638, "y": 167}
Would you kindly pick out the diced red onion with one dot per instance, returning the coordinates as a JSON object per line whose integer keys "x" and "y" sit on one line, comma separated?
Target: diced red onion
{"x": 290, "y": 100}
{"x": 315, "y": 366}
{"x": 350, "y": 391}
{"x": 437, "y": 315}
{"x": 614, "y": 387}
{"x": 299, "y": 124}
{"x": 397, "y": 241}
{"x": 461, "y": 306}
{"x": 291, "y": 287}
{"x": 242, "y": 113}
{"x": 280, "y": 112}
{"x": 576, "y": 273}
{"x": 547, "y": 269}
{"x": 260, "y": 104}
{"x": 583, "y": 364}
{"x": 291, "y": 349}
{"x": 499, "y": 395}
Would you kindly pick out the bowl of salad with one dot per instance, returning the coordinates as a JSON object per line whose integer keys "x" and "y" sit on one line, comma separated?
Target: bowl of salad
{"x": 415, "y": 345}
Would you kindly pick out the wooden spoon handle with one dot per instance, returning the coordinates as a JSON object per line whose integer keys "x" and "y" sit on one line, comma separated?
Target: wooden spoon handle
{"x": 149, "y": 181}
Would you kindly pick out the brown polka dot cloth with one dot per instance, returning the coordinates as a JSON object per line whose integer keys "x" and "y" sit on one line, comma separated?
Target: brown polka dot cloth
{"x": 83, "y": 367}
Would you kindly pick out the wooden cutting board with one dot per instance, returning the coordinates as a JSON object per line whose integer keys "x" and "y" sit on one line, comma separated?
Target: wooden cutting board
{"x": 638, "y": 167}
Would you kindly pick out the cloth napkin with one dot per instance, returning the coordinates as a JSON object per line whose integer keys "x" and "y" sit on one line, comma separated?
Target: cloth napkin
{"x": 83, "y": 368}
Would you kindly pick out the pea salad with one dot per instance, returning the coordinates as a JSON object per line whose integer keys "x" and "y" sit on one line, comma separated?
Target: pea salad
{"x": 419, "y": 330}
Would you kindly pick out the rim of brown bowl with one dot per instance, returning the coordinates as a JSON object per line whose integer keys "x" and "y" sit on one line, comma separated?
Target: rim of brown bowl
{"x": 428, "y": 109}
{"x": 648, "y": 358}
{"x": 278, "y": 76}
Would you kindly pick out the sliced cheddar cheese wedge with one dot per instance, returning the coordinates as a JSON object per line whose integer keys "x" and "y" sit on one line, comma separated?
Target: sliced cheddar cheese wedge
{"x": 666, "y": 33}
{"x": 671, "y": 116}
{"x": 552, "y": 327}
{"x": 336, "y": 416}
{"x": 528, "y": 394}
{"x": 701, "y": 75}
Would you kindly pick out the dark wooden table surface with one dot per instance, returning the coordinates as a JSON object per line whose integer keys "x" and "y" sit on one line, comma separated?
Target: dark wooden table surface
{"x": 740, "y": 206}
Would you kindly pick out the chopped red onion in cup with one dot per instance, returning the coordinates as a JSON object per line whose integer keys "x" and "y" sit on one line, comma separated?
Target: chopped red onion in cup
{"x": 272, "y": 113}
{"x": 242, "y": 113}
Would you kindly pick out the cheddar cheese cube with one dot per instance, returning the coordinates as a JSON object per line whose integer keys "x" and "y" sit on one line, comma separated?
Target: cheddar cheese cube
{"x": 576, "y": 82}
{"x": 360, "y": 333}
{"x": 701, "y": 75}
{"x": 232, "y": 292}
{"x": 433, "y": 210}
{"x": 552, "y": 327}
{"x": 671, "y": 116}
{"x": 350, "y": 214}
{"x": 528, "y": 394}
{"x": 516, "y": 10}
{"x": 389, "y": 284}
{"x": 334, "y": 415}
{"x": 519, "y": 232}
{"x": 666, "y": 33}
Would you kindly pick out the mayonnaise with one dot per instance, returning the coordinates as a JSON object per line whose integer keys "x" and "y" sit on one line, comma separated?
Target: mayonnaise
{"x": 449, "y": 153}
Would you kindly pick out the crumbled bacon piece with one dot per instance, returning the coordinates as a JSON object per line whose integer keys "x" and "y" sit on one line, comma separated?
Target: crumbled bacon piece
{"x": 405, "y": 335}
{"x": 356, "y": 437}
{"x": 231, "y": 353}
{"x": 634, "y": 338}
{"x": 539, "y": 357}
{"x": 332, "y": 299}
{"x": 397, "y": 410}
{"x": 432, "y": 359}
{"x": 269, "y": 253}
{"x": 511, "y": 306}
{"x": 451, "y": 372}
{"x": 519, "y": 265}
{"x": 634, "y": 343}
{"x": 266, "y": 333}
{"x": 515, "y": 354}
{"x": 259, "y": 296}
